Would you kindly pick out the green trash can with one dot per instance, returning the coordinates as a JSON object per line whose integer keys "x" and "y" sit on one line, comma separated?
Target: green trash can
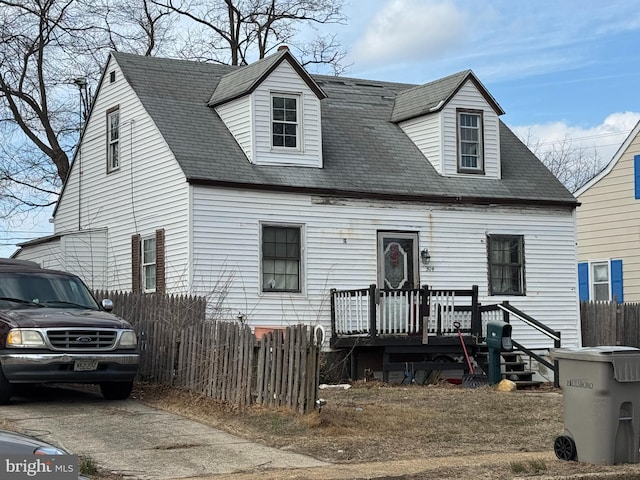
{"x": 601, "y": 390}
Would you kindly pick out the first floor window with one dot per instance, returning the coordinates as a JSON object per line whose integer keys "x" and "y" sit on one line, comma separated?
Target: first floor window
{"x": 600, "y": 285}
{"x": 113, "y": 140}
{"x": 506, "y": 264}
{"x": 149, "y": 264}
{"x": 601, "y": 281}
{"x": 280, "y": 259}
{"x": 284, "y": 121}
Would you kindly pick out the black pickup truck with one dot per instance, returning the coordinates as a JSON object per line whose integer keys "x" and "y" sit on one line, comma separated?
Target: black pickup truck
{"x": 52, "y": 330}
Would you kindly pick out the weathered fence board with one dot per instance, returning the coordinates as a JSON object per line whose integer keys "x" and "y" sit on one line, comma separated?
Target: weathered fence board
{"x": 222, "y": 360}
{"x": 610, "y": 323}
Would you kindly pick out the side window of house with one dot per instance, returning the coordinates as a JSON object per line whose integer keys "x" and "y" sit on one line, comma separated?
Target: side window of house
{"x": 148, "y": 262}
{"x": 284, "y": 121}
{"x": 281, "y": 258}
{"x": 113, "y": 139}
{"x": 506, "y": 264}
{"x": 470, "y": 136}
{"x": 600, "y": 281}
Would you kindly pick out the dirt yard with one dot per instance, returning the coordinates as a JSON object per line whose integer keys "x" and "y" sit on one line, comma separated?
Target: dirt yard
{"x": 371, "y": 430}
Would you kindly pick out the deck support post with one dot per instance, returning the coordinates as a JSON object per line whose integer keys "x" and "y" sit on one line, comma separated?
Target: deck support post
{"x": 373, "y": 301}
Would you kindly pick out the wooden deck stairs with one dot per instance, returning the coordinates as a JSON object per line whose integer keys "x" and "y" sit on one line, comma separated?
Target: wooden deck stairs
{"x": 513, "y": 366}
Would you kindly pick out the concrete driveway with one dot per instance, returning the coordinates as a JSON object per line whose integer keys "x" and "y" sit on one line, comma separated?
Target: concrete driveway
{"x": 137, "y": 441}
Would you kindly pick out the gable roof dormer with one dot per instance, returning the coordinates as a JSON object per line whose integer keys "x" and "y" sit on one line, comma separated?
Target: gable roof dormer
{"x": 246, "y": 79}
{"x": 272, "y": 108}
{"x": 454, "y": 123}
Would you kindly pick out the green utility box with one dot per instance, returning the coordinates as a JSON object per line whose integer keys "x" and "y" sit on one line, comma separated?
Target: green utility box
{"x": 498, "y": 340}
{"x": 601, "y": 398}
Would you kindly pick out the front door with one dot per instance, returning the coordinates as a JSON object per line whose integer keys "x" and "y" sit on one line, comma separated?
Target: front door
{"x": 398, "y": 271}
{"x": 398, "y": 260}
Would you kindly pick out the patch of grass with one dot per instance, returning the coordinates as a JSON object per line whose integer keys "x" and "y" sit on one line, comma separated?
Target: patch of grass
{"x": 87, "y": 466}
{"x": 518, "y": 467}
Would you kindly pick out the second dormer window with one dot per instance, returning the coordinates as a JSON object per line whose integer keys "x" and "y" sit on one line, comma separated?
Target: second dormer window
{"x": 470, "y": 151}
{"x": 284, "y": 121}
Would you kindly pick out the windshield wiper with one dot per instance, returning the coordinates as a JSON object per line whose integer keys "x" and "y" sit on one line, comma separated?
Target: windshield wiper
{"x": 62, "y": 302}
{"x": 20, "y": 300}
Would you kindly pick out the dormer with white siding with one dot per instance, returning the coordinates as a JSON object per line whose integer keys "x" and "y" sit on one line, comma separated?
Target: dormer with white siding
{"x": 272, "y": 109}
{"x": 454, "y": 122}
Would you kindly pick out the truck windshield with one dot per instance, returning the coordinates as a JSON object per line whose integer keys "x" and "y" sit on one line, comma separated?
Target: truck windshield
{"x": 43, "y": 289}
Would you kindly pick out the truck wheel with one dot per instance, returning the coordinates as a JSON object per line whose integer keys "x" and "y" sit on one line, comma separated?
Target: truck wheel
{"x": 116, "y": 390}
{"x": 6, "y": 389}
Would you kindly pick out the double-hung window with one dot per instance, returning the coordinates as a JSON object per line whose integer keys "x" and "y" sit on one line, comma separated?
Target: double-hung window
{"x": 470, "y": 151}
{"x": 281, "y": 258}
{"x": 148, "y": 264}
{"x": 600, "y": 286}
{"x": 285, "y": 127}
{"x": 113, "y": 139}
{"x": 506, "y": 264}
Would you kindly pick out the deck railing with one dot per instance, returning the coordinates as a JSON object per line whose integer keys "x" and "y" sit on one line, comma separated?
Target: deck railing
{"x": 377, "y": 312}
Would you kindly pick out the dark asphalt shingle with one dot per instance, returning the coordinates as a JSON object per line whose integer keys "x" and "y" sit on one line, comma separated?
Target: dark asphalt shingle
{"x": 364, "y": 153}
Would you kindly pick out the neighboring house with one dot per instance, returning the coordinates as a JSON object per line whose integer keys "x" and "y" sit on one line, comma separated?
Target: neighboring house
{"x": 608, "y": 222}
{"x": 265, "y": 187}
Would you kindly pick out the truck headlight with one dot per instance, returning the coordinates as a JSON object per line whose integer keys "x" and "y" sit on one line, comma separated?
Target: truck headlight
{"x": 24, "y": 338}
{"x": 128, "y": 339}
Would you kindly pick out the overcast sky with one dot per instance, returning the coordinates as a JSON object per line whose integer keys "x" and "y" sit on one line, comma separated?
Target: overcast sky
{"x": 558, "y": 68}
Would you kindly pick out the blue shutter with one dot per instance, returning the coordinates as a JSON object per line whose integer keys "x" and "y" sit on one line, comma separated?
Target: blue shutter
{"x": 616, "y": 280}
{"x": 636, "y": 175}
{"x": 583, "y": 281}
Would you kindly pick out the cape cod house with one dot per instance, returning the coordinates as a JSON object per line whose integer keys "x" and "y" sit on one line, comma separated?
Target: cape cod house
{"x": 290, "y": 197}
{"x": 607, "y": 228}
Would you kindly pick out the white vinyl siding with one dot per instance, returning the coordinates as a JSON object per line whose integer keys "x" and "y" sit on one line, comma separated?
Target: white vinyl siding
{"x": 237, "y": 115}
{"x": 132, "y": 199}
{"x": 608, "y": 219}
{"x": 469, "y": 98}
{"x": 284, "y": 80}
{"x": 340, "y": 251}
{"x": 426, "y": 133}
{"x": 436, "y": 134}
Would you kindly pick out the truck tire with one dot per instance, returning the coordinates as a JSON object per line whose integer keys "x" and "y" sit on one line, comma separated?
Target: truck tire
{"x": 6, "y": 389}
{"x": 116, "y": 390}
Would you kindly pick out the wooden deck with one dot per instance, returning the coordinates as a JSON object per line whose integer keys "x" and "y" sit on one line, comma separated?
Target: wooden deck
{"x": 417, "y": 330}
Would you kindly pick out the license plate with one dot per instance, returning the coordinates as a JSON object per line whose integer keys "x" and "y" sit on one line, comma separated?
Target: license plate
{"x": 85, "y": 365}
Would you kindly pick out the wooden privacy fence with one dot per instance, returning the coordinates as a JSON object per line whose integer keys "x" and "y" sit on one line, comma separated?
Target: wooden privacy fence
{"x": 219, "y": 359}
{"x": 610, "y": 323}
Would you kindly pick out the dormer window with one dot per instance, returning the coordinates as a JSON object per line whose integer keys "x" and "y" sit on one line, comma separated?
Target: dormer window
{"x": 470, "y": 137}
{"x": 285, "y": 127}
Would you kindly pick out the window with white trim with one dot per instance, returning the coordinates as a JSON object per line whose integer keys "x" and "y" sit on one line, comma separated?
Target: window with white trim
{"x": 148, "y": 264}
{"x": 285, "y": 127}
{"x": 281, "y": 258}
{"x": 470, "y": 148}
{"x": 506, "y": 264}
{"x": 600, "y": 283}
{"x": 113, "y": 139}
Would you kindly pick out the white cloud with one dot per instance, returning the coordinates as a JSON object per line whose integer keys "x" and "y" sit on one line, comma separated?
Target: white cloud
{"x": 412, "y": 30}
{"x": 605, "y": 138}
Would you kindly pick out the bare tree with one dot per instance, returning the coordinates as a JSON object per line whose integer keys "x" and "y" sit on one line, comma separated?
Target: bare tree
{"x": 574, "y": 165}
{"x": 236, "y": 31}
{"x": 47, "y": 49}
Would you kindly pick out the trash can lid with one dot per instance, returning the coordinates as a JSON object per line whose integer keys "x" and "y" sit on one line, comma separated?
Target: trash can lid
{"x": 625, "y": 360}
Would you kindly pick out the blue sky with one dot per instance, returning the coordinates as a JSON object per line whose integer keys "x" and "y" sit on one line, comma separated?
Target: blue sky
{"x": 561, "y": 69}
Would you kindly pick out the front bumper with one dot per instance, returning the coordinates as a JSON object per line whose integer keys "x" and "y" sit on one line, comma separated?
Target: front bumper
{"x": 59, "y": 367}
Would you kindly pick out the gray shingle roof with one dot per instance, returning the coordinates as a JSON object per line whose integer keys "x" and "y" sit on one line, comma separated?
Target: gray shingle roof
{"x": 433, "y": 96}
{"x": 242, "y": 81}
{"x": 364, "y": 153}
